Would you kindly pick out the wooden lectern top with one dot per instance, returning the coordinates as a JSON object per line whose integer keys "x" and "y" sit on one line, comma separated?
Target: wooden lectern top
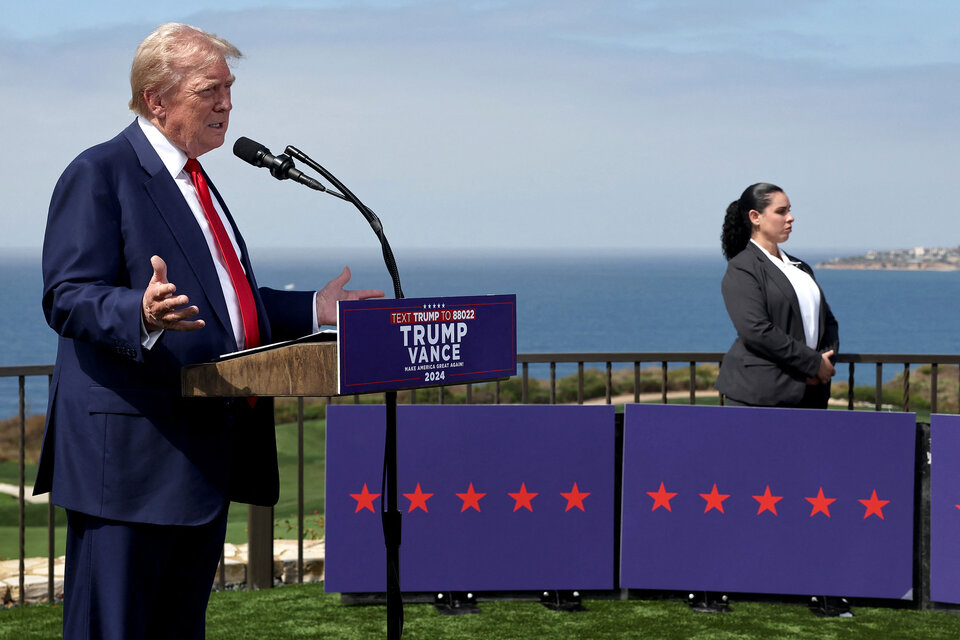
{"x": 305, "y": 369}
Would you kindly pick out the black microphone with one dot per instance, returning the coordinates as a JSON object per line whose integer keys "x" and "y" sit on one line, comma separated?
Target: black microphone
{"x": 281, "y": 167}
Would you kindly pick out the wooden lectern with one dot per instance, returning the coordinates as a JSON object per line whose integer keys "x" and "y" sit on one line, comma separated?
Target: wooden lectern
{"x": 382, "y": 338}
{"x": 300, "y": 369}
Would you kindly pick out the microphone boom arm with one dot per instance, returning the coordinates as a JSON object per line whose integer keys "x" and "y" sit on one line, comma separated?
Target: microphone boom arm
{"x": 365, "y": 211}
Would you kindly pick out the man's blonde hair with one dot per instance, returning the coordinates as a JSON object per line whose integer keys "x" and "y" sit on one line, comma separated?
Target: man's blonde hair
{"x": 161, "y": 61}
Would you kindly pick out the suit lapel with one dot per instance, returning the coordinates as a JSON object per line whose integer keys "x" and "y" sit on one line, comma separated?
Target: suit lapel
{"x": 777, "y": 276}
{"x": 175, "y": 212}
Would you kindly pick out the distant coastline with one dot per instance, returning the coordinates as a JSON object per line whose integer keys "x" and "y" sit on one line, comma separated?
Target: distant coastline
{"x": 916, "y": 259}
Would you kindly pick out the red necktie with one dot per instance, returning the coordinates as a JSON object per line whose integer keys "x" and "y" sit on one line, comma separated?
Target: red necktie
{"x": 248, "y": 307}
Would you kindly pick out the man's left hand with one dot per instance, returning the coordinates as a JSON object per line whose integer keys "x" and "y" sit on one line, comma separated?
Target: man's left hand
{"x": 333, "y": 291}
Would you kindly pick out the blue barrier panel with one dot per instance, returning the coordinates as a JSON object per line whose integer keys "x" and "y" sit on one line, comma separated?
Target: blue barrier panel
{"x": 945, "y": 508}
{"x": 494, "y": 498}
{"x": 761, "y": 500}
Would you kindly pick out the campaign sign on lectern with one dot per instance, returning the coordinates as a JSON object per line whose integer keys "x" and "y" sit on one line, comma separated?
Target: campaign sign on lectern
{"x": 425, "y": 342}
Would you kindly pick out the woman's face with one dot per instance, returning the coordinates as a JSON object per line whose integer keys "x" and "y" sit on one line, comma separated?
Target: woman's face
{"x": 772, "y": 225}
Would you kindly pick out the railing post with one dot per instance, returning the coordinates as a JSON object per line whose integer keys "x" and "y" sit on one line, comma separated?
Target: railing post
{"x": 51, "y": 531}
{"x": 878, "y": 389}
{"x": 663, "y": 382}
{"x": 496, "y": 391}
{"x": 553, "y": 383}
{"x": 440, "y": 395}
{"x": 580, "y": 383}
{"x": 636, "y": 382}
{"x": 933, "y": 388}
{"x": 299, "y": 489}
{"x": 850, "y": 388}
{"x": 259, "y": 547}
{"x": 693, "y": 383}
{"x": 524, "y": 395}
{"x": 906, "y": 386}
{"x": 609, "y": 382}
{"x": 51, "y": 547}
{"x": 469, "y": 393}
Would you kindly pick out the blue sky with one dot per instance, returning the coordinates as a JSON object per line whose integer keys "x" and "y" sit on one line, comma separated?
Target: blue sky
{"x": 528, "y": 124}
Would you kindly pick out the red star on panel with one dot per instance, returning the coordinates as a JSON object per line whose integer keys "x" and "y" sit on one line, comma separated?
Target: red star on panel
{"x": 418, "y": 499}
{"x": 574, "y": 498}
{"x": 364, "y": 499}
{"x": 471, "y": 499}
{"x": 714, "y": 499}
{"x": 768, "y": 502}
{"x": 820, "y": 504}
{"x": 661, "y": 498}
{"x": 874, "y": 506}
{"x": 523, "y": 498}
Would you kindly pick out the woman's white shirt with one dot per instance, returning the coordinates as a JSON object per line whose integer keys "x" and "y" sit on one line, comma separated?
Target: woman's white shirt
{"x": 808, "y": 294}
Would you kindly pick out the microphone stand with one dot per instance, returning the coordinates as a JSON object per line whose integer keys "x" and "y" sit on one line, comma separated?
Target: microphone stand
{"x": 365, "y": 211}
{"x": 390, "y": 517}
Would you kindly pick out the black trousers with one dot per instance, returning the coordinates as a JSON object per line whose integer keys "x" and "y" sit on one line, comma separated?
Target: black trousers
{"x": 135, "y": 581}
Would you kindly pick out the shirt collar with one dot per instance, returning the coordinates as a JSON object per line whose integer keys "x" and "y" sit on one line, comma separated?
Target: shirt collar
{"x": 786, "y": 259}
{"x": 172, "y": 157}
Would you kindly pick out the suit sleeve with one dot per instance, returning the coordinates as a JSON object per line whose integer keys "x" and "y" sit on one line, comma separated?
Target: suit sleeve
{"x": 746, "y": 305}
{"x": 831, "y": 333}
{"x": 87, "y": 294}
{"x": 291, "y": 313}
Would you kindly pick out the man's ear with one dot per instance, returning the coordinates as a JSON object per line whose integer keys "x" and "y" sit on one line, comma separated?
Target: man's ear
{"x": 155, "y": 102}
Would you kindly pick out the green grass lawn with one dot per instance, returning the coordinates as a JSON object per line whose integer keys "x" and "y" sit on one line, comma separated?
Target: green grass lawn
{"x": 306, "y": 612}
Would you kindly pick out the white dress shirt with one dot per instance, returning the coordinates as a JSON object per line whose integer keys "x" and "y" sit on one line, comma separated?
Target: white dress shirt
{"x": 808, "y": 294}
{"x": 175, "y": 160}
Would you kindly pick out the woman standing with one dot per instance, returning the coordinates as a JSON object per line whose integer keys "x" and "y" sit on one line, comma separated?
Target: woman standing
{"x": 787, "y": 338}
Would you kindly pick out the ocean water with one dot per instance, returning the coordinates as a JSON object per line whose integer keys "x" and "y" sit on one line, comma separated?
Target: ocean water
{"x": 566, "y": 302}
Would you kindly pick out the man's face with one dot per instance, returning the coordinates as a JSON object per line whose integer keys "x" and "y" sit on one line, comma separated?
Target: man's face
{"x": 195, "y": 114}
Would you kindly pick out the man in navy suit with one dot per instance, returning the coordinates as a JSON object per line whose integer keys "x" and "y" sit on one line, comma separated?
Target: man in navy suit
{"x": 137, "y": 283}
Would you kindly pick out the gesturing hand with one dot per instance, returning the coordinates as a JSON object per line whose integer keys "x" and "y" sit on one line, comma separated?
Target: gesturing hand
{"x": 333, "y": 291}
{"x": 163, "y": 310}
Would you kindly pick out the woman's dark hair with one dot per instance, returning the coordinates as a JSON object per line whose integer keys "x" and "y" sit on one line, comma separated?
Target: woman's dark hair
{"x": 736, "y": 224}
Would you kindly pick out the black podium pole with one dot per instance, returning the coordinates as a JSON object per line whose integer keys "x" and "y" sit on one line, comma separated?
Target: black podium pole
{"x": 391, "y": 522}
{"x": 281, "y": 167}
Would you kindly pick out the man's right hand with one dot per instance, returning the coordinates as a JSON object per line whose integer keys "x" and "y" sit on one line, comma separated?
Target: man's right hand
{"x": 163, "y": 310}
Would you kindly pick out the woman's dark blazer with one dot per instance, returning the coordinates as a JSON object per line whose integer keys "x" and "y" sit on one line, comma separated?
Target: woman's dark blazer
{"x": 770, "y": 361}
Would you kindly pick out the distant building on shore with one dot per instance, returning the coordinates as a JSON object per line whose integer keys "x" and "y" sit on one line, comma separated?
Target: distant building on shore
{"x": 916, "y": 259}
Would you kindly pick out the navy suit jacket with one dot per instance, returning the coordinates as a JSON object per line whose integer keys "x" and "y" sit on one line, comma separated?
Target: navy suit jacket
{"x": 120, "y": 441}
{"x": 769, "y": 362}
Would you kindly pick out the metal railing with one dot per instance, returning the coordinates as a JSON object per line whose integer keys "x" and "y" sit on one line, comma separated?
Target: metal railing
{"x": 22, "y": 373}
{"x": 907, "y": 360}
{"x": 664, "y": 360}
